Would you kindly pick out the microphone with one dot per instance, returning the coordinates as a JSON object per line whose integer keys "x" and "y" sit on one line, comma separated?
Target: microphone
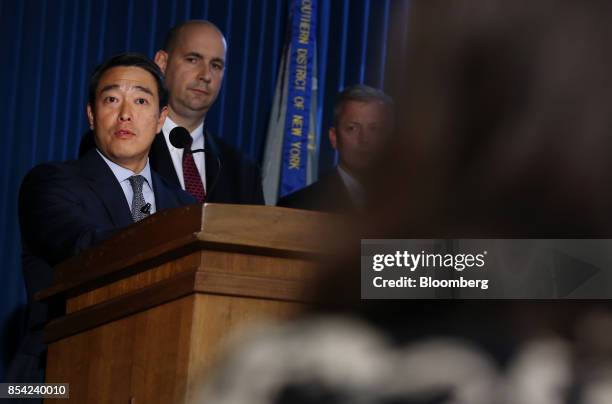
{"x": 146, "y": 209}
{"x": 180, "y": 138}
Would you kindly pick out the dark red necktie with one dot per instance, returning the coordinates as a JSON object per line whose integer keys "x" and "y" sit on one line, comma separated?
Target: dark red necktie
{"x": 193, "y": 182}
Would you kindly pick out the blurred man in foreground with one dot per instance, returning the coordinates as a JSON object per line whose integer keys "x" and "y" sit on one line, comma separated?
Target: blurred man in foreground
{"x": 508, "y": 109}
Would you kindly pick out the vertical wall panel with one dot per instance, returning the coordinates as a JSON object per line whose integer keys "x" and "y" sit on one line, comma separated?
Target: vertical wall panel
{"x": 384, "y": 32}
{"x": 101, "y": 32}
{"x": 11, "y": 298}
{"x": 225, "y": 22}
{"x": 129, "y": 27}
{"x": 13, "y": 45}
{"x": 246, "y": 66}
{"x": 18, "y": 142}
{"x": 343, "y": 44}
{"x": 55, "y": 69}
{"x": 37, "y": 88}
{"x": 84, "y": 61}
{"x": 322, "y": 47}
{"x": 259, "y": 58}
{"x": 67, "y": 89}
{"x": 365, "y": 25}
{"x": 153, "y": 44}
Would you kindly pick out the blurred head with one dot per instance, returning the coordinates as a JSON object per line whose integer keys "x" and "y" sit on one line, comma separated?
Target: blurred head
{"x": 126, "y": 108}
{"x": 504, "y": 131}
{"x": 508, "y": 116}
{"x": 363, "y": 119}
{"x": 193, "y": 61}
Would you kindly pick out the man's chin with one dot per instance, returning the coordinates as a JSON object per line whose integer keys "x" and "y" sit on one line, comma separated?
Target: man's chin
{"x": 129, "y": 161}
{"x": 126, "y": 154}
{"x": 200, "y": 107}
{"x": 200, "y": 104}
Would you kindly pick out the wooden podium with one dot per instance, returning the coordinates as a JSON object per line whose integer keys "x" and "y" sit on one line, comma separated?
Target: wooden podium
{"x": 147, "y": 310}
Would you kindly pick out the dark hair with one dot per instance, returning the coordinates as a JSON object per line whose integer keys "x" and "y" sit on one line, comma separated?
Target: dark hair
{"x": 174, "y": 32}
{"x": 361, "y": 93}
{"x": 128, "y": 59}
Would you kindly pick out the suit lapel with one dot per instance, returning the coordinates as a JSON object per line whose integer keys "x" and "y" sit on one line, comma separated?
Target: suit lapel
{"x": 212, "y": 161}
{"x": 163, "y": 197}
{"x": 104, "y": 184}
{"x": 161, "y": 162}
{"x": 211, "y": 164}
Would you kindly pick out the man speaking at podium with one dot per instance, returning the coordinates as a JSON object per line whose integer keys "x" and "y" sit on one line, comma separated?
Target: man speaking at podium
{"x": 65, "y": 208}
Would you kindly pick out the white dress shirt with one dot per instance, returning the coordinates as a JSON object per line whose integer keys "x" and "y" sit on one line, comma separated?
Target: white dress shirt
{"x": 354, "y": 188}
{"x": 197, "y": 137}
{"x": 123, "y": 176}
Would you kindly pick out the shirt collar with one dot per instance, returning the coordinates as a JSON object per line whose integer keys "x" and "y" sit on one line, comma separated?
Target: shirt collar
{"x": 197, "y": 135}
{"x": 355, "y": 189}
{"x": 122, "y": 173}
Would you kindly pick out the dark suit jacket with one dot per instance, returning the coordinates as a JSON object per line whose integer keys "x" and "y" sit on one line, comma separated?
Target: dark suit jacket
{"x": 230, "y": 178}
{"x": 329, "y": 194}
{"x": 65, "y": 208}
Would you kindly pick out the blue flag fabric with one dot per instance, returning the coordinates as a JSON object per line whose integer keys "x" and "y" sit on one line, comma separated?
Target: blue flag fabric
{"x": 291, "y": 145}
{"x": 297, "y": 120}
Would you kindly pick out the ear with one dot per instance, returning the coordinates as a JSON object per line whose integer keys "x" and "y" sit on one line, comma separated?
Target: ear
{"x": 161, "y": 60}
{"x": 162, "y": 117}
{"x": 90, "y": 116}
{"x": 333, "y": 139}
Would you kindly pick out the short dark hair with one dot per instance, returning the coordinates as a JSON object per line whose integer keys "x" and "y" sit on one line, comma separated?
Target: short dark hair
{"x": 361, "y": 93}
{"x": 174, "y": 32}
{"x": 128, "y": 59}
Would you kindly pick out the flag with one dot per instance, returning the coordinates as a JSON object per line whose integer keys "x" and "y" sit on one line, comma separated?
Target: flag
{"x": 290, "y": 156}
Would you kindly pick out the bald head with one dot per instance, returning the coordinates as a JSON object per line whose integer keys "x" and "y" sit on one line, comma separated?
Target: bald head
{"x": 175, "y": 33}
{"x": 193, "y": 62}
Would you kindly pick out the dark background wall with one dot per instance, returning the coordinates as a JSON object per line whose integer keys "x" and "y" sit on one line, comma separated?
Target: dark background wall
{"x": 49, "y": 48}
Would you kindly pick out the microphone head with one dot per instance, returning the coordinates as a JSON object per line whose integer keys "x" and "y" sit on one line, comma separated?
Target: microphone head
{"x": 180, "y": 137}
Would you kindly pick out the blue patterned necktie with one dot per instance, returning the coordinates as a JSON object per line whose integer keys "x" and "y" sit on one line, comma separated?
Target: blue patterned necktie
{"x": 138, "y": 201}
